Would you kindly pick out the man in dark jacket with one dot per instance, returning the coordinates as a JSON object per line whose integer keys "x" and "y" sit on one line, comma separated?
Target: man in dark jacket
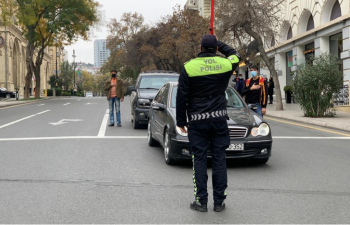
{"x": 255, "y": 91}
{"x": 201, "y": 96}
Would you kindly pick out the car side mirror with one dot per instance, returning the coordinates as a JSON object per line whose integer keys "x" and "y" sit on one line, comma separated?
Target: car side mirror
{"x": 130, "y": 89}
{"x": 158, "y": 106}
{"x": 252, "y": 107}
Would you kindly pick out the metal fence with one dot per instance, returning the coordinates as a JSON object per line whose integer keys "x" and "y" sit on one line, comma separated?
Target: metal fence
{"x": 342, "y": 98}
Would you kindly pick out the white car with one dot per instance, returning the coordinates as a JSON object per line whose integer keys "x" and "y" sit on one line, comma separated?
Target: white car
{"x": 89, "y": 94}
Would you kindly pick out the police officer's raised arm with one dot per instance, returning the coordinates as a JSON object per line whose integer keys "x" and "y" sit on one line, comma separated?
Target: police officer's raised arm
{"x": 230, "y": 53}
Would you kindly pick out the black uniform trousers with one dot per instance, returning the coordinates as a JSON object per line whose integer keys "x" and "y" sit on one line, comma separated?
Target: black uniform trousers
{"x": 214, "y": 136}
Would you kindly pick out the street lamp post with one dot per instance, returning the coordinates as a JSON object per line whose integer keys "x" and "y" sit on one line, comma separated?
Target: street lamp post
{"x": 74, "y": 72}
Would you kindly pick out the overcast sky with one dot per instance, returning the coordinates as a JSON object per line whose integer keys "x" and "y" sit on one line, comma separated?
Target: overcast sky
{"x": 152, "y": 11}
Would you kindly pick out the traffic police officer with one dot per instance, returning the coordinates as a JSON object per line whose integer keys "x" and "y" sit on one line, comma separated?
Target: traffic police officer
{"x": 201, "y": 101}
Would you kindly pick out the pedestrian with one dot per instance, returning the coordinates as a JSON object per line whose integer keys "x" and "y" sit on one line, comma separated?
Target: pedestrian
{"x": 201, "y": 101}
{"x": 115, "y": 95}
{"x": 240, "y": 84}
{"x": 271, "y": 89}
{"x": 255, "y": 91}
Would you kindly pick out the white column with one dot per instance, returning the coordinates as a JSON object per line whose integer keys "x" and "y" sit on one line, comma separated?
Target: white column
{"x": 321, "y": 46}
{"x": 345, "y": 55}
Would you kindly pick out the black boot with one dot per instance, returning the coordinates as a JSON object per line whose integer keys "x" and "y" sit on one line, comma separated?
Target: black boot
{"x": 199, "y": 207}
{"x": 219, "y": 208}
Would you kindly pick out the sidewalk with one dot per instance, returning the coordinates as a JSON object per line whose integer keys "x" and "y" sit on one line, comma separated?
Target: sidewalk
{"x": 340, "y": 121}
{"x": 12, "y": 102}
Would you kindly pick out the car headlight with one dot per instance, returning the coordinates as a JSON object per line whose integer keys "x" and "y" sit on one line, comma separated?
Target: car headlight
{"x": 262, "y": 130}
{"x": 143, "y": 102}
{"x": 178, "y": 130}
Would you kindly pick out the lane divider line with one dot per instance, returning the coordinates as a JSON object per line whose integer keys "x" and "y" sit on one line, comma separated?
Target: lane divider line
{"x": 309, "y": 127}
{"x": 25, "y": 118}
{"x": 144, "y": 137}
{"x": 67, "y": 104}
{"x": 102, "y": 131}
{"x": 71, "y": 138}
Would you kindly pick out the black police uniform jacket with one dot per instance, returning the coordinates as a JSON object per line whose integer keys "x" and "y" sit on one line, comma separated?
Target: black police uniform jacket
{"x": 202, "y": 85}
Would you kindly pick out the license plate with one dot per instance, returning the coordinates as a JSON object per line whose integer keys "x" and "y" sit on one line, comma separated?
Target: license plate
{"x": 235, "y": 147}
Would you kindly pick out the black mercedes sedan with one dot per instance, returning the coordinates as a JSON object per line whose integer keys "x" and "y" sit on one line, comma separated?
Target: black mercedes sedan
{"x": 250, "y": 134}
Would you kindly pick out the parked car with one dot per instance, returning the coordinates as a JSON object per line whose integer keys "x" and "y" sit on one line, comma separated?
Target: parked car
{"x": 4, "y": 93}
{"x": 249, "y": 133}
{"x": 147, "y": 86}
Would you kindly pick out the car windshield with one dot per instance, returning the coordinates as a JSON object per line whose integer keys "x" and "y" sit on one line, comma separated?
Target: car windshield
{"x": 156, "y": 82}
{"x": 233, "y": 100}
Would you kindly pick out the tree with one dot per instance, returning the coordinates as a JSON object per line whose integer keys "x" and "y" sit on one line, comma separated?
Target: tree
{"x": 66, "y": 76}
{"x": 120, "y": 32}
{"x": 85, "y": 82}
{"x": 165, "y": 46}
{"x": 246, "y": 19}
{"x": 45, "y": 20}
{"x": 314, "y": 85}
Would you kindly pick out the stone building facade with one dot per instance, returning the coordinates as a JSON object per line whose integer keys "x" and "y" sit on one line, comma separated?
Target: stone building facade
{"x": 310, "y": 28}
{"x": 202, "y": 6}
{"x": 13, "y": 60}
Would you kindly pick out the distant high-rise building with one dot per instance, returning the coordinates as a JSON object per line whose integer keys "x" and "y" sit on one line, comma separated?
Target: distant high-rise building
{"x": 101, "y": 52}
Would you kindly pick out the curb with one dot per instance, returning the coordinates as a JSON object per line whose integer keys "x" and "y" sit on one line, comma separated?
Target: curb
{"x": 24, "y": 102}
{"x": 312, "y": 122}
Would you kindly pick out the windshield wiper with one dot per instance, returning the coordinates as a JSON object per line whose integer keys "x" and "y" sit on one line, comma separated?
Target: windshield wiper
{"x": 150, "y": 88}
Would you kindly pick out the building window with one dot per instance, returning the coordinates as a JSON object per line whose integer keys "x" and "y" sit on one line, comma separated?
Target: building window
{"x": 309, "y": 53}
{"x": 290, "y": 33}
{"x": 336, "y": 46}
{"x": 310, "y": 23}
{"x": 336, "y": 11}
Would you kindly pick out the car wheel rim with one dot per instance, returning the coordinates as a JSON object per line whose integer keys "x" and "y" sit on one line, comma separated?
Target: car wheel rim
{"x": 166, "y": 147}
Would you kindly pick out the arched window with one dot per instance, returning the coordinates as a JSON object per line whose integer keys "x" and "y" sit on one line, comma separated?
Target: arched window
{"x": 290, "y": 33}
{"x": 336, "y": 11}
{"x": 310, "y": 23}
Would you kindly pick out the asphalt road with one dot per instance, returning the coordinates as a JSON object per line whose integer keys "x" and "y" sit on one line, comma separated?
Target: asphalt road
{"x": 59, "y": 163}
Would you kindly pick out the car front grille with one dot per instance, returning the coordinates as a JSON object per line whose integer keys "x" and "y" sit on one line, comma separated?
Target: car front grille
{"x": 237, "y": 132}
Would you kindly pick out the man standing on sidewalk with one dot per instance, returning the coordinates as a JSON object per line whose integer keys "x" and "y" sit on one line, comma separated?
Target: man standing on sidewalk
{"x": 201, "y": 99}
{"x": 256, "y": 91}
{"x": 115, "y": 95}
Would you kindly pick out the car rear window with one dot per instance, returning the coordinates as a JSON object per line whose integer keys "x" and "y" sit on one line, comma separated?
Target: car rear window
{"x": 156, "y": 81}
{"x": 233, "y": 101}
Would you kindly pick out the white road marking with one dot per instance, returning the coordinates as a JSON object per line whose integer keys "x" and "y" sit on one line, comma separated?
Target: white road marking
{"x": 90, "y": 103}
{"x": 137, "y": 137}
{"x": 67, "y": 104}
{"x": 103, "y": 127}
{"x": 17, "y": 121}
{"x": 313, "y": 138}
{"x": 71, "y": 138}
{"x": 41, "y": 105}
{"x": 65, "y": 121}
{"x": 78, "y": 100}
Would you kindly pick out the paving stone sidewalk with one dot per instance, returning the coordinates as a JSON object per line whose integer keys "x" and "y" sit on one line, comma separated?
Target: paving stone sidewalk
{"x": 340, "y": 121}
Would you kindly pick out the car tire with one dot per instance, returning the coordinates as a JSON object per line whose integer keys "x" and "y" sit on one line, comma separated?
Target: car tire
{"x": 167, "y": 149}
{"x": 151, "y": 141}
{"x": 135, "y": 123}
{"x": 8, "y": 96}
{"x": 260, "y": 161}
